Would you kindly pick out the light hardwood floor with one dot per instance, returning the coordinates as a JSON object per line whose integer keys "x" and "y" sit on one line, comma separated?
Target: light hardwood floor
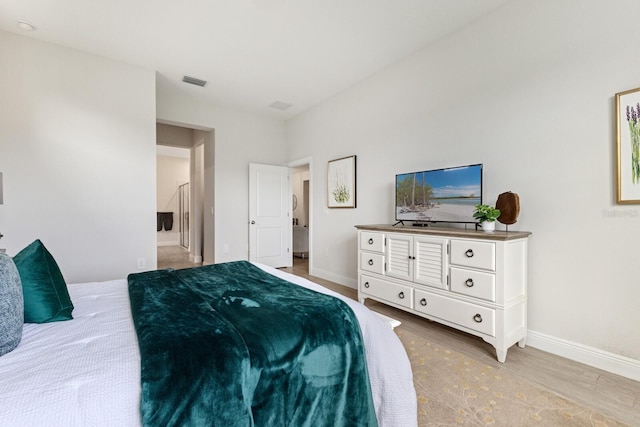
{"x": 174, "y": 257}
{"x": 607, "y": 393}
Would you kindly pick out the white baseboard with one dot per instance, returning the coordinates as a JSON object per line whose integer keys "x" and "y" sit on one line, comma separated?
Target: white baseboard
{"x": 610, "y": 362}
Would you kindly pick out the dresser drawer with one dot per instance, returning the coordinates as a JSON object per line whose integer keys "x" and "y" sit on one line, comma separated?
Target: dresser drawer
{"x": 471, "y": 316}
{"x": 473, "y": 283}
{"x": 392, "y": 292}
{"x": 372, "y": 262}
{"x": 373, "y": 242}
{"x": 471, "y": 253}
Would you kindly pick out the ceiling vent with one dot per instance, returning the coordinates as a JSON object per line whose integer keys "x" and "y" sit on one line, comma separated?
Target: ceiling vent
{"x": 280, "y": 105}
{"x": 194, "y": 81}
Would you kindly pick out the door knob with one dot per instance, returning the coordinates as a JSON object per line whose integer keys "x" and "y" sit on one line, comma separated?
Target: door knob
{"x": 252, "y": 222}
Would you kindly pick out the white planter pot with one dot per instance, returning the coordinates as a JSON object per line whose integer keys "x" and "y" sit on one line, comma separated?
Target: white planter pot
{"x": 488, "y": 226}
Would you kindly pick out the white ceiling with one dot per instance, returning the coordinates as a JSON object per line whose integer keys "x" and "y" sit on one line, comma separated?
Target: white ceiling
{"x": 252, "y": 52}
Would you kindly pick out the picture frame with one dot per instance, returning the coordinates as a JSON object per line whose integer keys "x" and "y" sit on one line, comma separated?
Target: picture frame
{"x": 628, "y": 146}
{"x": 341, "y": 183}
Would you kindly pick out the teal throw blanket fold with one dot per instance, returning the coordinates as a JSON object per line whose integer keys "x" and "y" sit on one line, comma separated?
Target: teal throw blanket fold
{"x": 231, "y": 345}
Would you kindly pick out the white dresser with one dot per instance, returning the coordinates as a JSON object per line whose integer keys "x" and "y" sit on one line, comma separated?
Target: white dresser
{"x": 470, "y": 280}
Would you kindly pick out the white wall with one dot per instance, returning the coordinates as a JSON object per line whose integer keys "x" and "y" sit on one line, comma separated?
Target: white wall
{"x": 171, "y": 173}
{"x": 77, "y": 149}
{"x": 529, "y": 92}
{"x": 240, "y": 138}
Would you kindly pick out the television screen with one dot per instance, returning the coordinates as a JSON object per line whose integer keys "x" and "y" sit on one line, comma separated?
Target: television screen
{"x": 439, "y": 195}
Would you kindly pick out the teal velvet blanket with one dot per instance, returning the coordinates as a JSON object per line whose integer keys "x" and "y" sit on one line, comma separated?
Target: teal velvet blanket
{"x": 231, "y": 345}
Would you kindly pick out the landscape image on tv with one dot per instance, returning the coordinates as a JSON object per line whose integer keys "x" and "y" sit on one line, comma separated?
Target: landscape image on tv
{"x": 447, "y": 195}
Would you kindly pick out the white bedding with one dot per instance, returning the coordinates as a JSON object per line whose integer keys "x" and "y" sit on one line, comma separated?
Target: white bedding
{"x": 86, "y": 371}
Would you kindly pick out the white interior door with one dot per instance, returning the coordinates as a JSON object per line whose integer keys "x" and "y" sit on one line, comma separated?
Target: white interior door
{"x": 270, "y": 215}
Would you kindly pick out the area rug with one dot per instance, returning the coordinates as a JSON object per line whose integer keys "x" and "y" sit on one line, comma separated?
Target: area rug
{"x": 455, "y": 390}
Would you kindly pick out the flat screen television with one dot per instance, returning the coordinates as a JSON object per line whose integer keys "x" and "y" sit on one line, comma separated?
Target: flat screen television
{"x": 439, "y": 195}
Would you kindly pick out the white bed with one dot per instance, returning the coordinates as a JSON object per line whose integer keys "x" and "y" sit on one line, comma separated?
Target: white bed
{"x": 86, "y": 371}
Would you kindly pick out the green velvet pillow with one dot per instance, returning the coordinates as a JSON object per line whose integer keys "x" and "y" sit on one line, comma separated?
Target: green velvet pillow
{"x": 46, "y": 298}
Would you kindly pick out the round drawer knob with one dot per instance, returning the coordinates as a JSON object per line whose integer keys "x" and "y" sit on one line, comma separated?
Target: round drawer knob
{"x": 366, "y": 284}
{"x": 401, "y": 295}
{"x": 477, "y": 318}
{"x": 371, "y": 241}
{"x": 370, "y": 262}
{"x": 469, "y": 253}
{"x": 423, "y": 302}
{"x": 469, "y": 283}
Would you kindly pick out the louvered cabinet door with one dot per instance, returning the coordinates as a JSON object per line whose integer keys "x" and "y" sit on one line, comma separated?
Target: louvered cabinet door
{"x": 430, "y": 262}
{"x": 400, "y": 256}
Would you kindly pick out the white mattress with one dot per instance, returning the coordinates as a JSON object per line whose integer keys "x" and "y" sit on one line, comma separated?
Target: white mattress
{"x": 86, "y": 371}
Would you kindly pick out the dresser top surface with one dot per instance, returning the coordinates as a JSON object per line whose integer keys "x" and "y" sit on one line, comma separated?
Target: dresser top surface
{"x": 447, "y": 231}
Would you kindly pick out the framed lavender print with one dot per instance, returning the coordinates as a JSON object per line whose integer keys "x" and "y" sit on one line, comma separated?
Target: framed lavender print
{"x": 628, "y": 146}
{"x": 341, "y": 190}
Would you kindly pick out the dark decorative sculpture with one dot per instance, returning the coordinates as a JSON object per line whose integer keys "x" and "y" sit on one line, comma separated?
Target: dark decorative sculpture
{"x": 509, "y": 205}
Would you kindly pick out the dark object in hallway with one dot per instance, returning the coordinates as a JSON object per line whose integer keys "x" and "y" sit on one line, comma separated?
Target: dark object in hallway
{"x": 165, "y": 219}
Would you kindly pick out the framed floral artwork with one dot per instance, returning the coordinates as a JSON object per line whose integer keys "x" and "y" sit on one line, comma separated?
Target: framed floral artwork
{"x": 341, "y": 190}
{"x": 628, "y": 146}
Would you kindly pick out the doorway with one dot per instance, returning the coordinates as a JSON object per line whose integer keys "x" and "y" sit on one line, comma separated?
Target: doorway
{"x": 302, "y": 214}
{"x": 194, "y": 204}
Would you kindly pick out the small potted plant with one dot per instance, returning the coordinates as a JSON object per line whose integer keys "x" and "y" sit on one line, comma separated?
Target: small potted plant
{"x": 486, "y": 216}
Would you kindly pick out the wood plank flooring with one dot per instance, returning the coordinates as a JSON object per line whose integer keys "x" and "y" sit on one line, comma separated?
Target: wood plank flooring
{"x": 174, "y": 257}
{"x": 607, "y": 393}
